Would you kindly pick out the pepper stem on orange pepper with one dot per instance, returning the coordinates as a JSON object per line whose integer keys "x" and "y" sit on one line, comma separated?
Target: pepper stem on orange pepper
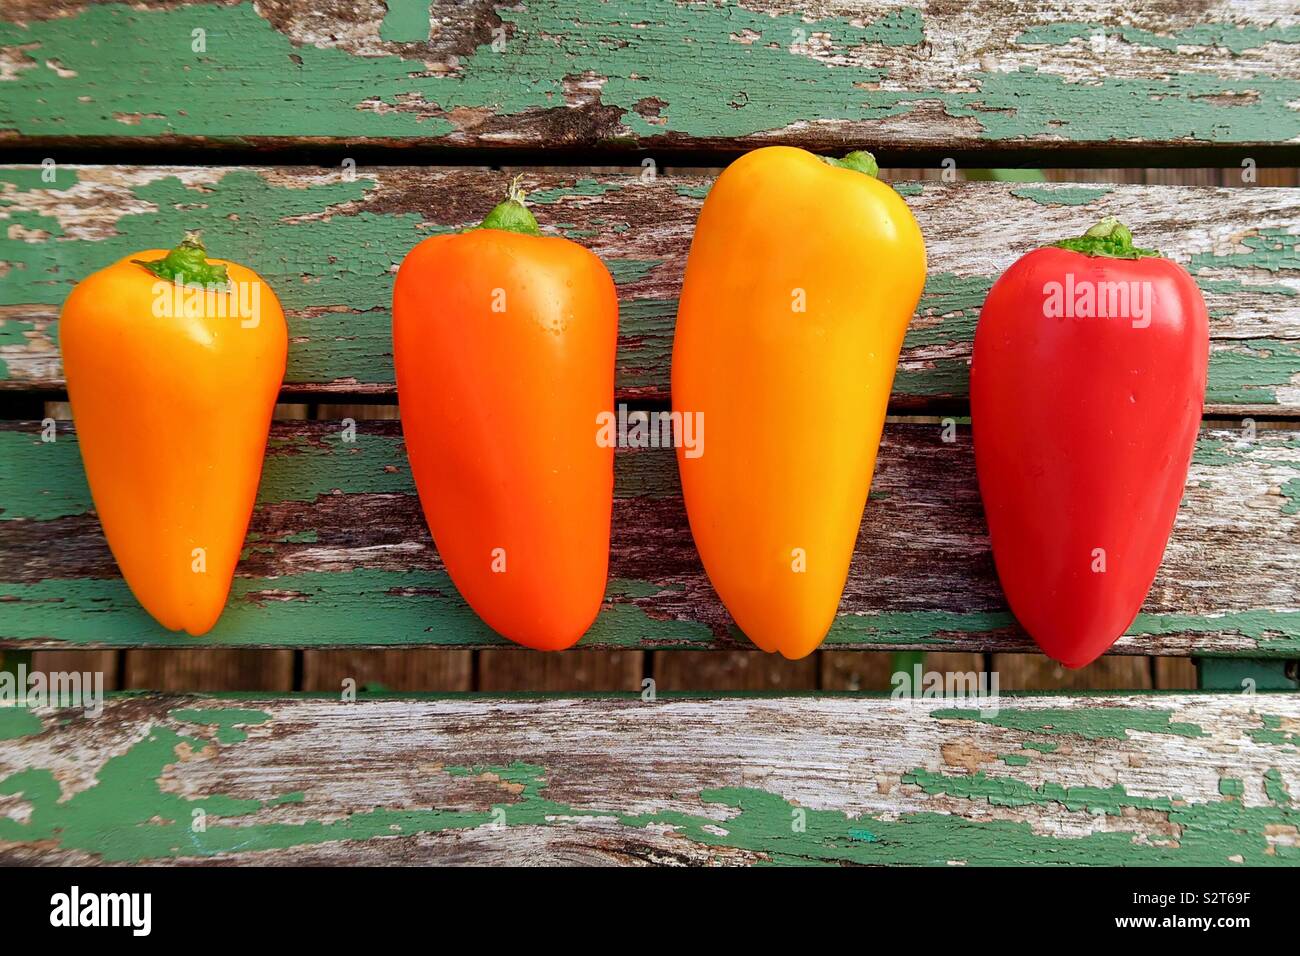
{"x": 859, "y": 160}
{"x": 189, "y": 263}
{"x": 512, "y": 215}
{"x": 1109, "y": 238}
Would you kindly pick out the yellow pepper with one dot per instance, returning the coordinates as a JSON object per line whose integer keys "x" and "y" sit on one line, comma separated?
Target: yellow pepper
{"x": 801, "y": 280}
{"x": 173, "y": 363}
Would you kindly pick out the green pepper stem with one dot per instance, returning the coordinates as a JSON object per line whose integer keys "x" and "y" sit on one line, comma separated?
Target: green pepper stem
{"x": 512, "y": 215}
{"x": 1109, "y": 238}
{"x": 859, "y": 160}
{"x": 187, "y": 263}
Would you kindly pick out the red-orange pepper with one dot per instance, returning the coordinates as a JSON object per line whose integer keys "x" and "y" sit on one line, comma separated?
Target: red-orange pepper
{"x": 504, "y": 344}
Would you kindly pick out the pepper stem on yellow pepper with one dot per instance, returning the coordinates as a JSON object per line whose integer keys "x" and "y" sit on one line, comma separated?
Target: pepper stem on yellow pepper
{"x": 512, "y": 215}
{"x": 189, "y": 263}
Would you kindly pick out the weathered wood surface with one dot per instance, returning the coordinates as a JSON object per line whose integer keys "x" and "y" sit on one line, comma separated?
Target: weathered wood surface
{"x": 653, "y": 74}
{"x": 339, "y": 555}
{"x": 330, "y": 246}
{"x": 1191, "y": 779}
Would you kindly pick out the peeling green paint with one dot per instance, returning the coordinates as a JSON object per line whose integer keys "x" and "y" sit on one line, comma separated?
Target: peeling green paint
{"x": 321, "y": 609}
{"x": 407, "y": 21}
{"x": 914, "y": 627}
{"x": 1062, "y": 196}
{"x": 627, "y": 271}
{"x": 583, "y": 187}
{"x": 1274, "y": 250}
{"x": 1236, "y": 287}
{"x": 698, "y": 69}
{"x": 126, "y": 815}
{"x": 1236, "y": 38}
{"x": 1275, "y": 788}
{"x": 227, "y": 721}
{"x": 1091, "y": 723}
{"x": 1276, "y": 631}
{"x": 18, "y": 722}
{"x": 1272, "y": 733}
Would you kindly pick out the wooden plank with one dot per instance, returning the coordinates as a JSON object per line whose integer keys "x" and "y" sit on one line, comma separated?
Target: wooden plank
{"x": 736, "y": 670}
{"x": 107, "y": 663}
{"x": 1192, "y": 779}
{"x": 851, "y": 671}
{"x": 407, "y": 670}
{"x": 330, "y": 246}
{"x": 641, "y": 74}
{"x": 1035, "y": 672}
{"x": 338, "y": 555}
{"x": 1174, "y": 673}
{"x": 580, "y": 670}
{"x": 209, "y": 669}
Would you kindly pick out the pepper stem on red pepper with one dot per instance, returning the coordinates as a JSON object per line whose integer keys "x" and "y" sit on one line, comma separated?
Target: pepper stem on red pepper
{"x": 512, "y": 215}
{"x": 1109, "y": 238}
{"x": 187, "y": 263}
{"x": 859, "y": 160}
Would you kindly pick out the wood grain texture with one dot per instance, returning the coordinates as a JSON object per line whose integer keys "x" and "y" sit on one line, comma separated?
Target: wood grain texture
{"x": 1175, "y": 673}
{"x": 418, "y": 669}
{"x": 330, "y": 247}
{"x": 738, "y": 671}
{"x": 1192, "y": 779}
{"x": 208, "y": 669}
{"x": 1036, "y": 672}
{"x": 653, "y": 74}
{"x": 338, "y": 555}
{"x": 579, "y": 670}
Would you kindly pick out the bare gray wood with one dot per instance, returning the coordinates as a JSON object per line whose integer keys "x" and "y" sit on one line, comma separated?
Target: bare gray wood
{"x": 1195, "y": 779}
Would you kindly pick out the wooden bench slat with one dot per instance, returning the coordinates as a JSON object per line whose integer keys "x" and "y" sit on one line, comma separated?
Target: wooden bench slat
{"x": 1190, "y": 779}
{"x": 622, "y": 75}
{"x": 329, "y": 247}
{"x": 339, "y": 555}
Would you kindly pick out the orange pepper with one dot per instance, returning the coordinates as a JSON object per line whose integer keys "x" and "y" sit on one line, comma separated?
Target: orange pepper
{"x": 504, "y": 343}
{"x": 173, "y": 363}
{"x": 801, "y": 280}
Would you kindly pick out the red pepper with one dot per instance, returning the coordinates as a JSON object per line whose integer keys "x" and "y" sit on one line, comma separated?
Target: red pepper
{"x": 1087, "y": 381}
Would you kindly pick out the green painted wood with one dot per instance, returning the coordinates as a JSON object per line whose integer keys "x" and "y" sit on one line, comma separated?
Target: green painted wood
{"x": 338, "y": 555}
{"x": 1145, "y": 780}
{"x": 653, "y": 74}
{"x": 329, "y": 245}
